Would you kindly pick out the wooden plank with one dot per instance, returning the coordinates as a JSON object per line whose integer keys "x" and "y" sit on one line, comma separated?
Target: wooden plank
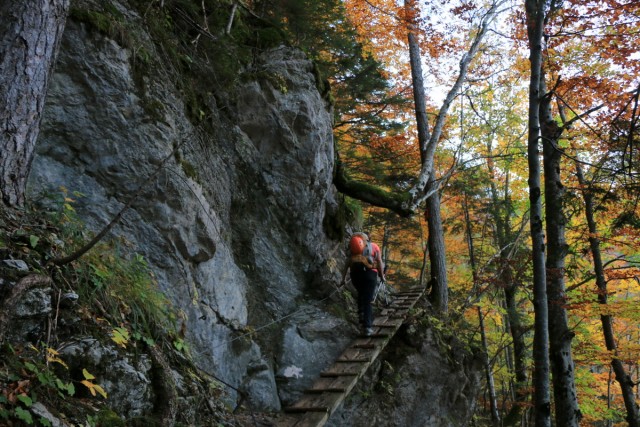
{"x": 333, "y": 384}
{"x": 312, "y": 419}
{"x": 323, "y": 402}
{"x": 354, "y": 355}
{"x": 341, "y": 369}
{"x": 395, "y": 323}
{"x": 364, "y": 345}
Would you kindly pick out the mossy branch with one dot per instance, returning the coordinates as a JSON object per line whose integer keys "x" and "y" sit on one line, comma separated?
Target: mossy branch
{"x": 398, "y": 202}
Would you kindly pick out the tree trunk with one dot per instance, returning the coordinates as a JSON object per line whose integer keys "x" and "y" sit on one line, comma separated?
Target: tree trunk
{"x": 567, "y": 411}
{"x": 516, "y": 331}
{"x": 491, "y": 388}
{"x": 439, "y": 295}
{"x": 30, "y": 34}
{"x": 495, "y": 416}
{"x": 501, "y": 212}
{"x": 438, "y": 280}
{"x": 623, "y": 378}
{"x": 542, "y": 401}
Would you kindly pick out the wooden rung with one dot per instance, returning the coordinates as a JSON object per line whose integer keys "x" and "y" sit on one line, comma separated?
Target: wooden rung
{"x": 399, "y": 316}
{"x": 293, "y": 409}
{"x": 329, "y": 374}
{"x": 328, "y": 389}
{"x": 311, "y": 419}
{"x": 342, "y": 369}
{"x": 338, "y": 383}
{"x": 323, "y": 402}
{"x": 358, "y": 360}
{"x": 386, "y": 325}
{"x": 364, "y": 345}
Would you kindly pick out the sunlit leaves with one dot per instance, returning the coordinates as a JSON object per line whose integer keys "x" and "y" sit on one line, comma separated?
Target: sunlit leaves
{"x": 93, "y": 388}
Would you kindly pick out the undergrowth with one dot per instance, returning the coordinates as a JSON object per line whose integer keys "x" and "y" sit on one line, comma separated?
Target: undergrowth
{"x": 110, "y": 295}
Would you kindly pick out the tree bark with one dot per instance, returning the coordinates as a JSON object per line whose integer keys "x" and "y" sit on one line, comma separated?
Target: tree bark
{"x": 30, "y": 34}
{"x": 439, "y": 294}
{"x": 542, "y": 401}
{"x": 567, "y": 411}
{"x": 623, "y": 378}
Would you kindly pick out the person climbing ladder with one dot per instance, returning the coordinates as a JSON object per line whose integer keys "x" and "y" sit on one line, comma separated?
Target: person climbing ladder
{"x": 364, "y": 260}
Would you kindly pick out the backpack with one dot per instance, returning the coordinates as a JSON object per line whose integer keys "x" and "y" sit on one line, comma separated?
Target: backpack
{"x": 360, "y": 250}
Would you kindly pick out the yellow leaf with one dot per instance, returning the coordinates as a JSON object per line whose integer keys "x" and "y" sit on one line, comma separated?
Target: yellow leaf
{"x": 90, "y": 386}
{"x": 100, "y": 390}
{"x": 87, "y": 375}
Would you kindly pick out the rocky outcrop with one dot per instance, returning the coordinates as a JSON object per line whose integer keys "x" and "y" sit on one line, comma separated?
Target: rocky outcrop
{"x": 232, "y": 222}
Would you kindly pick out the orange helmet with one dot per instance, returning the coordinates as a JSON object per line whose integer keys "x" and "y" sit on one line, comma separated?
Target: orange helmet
{"x": 357, "y": 244}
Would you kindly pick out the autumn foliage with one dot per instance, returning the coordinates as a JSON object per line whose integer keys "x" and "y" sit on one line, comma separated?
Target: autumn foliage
{"x": 591, "y": 68}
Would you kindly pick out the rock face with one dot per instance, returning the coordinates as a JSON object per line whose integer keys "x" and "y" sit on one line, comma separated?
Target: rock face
{"x": 229, "y": 218}
{"x": 230, "y": 222}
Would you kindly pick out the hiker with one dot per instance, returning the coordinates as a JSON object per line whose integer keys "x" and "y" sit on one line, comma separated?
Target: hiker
{"x": 365, "y": 263}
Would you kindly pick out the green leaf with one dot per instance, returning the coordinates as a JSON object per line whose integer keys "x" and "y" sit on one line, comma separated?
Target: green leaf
{"x": 68, "y": 387}
{"x": 25, "y": 399}
{"x": 45, "y": 422}
{"x": 24, "y": 415}
{"x": 33, "y": 240}
{"x": 31, "y": 367}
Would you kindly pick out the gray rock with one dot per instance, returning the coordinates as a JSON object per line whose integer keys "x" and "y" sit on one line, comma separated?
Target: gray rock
{"x": 213, "y": 245}
{"x": 125, "y": 378}
{"x": 30, "y": 315}
{"x": 18, "y": 264}
{"x": 40, "y": 411}
{"x": 312, "y": 341}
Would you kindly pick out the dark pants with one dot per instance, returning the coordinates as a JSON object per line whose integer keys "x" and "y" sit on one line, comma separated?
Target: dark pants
{"x": 365, "y": 282}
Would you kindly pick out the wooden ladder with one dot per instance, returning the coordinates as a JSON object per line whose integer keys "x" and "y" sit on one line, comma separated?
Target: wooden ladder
{"x": 336, "y": 382}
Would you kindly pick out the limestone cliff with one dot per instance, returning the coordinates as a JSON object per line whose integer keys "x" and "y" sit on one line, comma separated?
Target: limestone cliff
{"x": 234, "y": 209}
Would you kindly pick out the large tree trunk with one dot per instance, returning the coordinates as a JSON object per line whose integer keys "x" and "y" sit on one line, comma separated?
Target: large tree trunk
{"x": 439, "y": 294}
{"x": 567, "y": 411}
{"x": 623, "y": 378}
{"x": 542, "y": 401}
{"x": 30, "y": 33}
